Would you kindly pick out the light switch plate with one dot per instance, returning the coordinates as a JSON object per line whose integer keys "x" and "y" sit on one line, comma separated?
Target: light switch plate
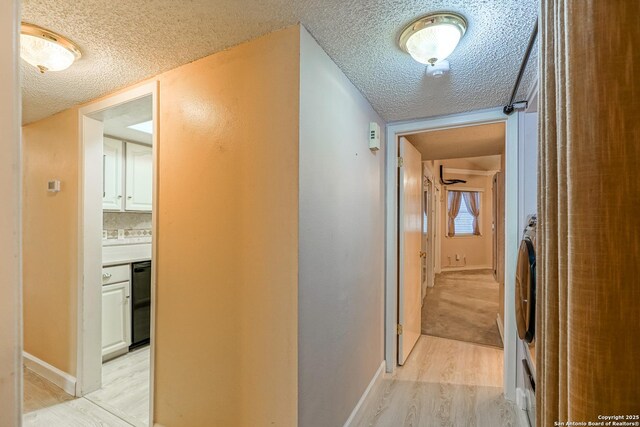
{"x": 53, "y": 186}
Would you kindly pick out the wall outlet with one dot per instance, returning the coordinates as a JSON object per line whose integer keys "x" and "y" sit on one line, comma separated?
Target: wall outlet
{"x": 457, "y": 257}
{"x": 104, "y": 234}
{"x": 120, "y": 234}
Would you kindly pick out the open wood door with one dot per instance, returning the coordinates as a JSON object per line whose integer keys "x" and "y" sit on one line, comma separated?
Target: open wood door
{"x": 409, "y": 254}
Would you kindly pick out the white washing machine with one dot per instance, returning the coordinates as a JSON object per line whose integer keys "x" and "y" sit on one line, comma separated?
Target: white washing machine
{"x": 526, "y": 318}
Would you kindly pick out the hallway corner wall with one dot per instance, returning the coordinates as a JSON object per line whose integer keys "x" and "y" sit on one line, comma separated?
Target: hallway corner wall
{"x": 50, "y": 239}
{"x": 226, "y": 300}
{"x": 227, "y": 258}
{"x": 341, "y": 242}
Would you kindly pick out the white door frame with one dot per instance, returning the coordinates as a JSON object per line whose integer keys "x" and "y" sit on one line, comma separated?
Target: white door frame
{"x": 89, "y": 342}
{"x": 394, "y": 131}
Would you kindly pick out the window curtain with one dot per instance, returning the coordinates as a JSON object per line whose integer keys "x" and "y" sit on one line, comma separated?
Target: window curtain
{"x": 454, "y": 199}
{"x": 472, "y": 201}
{"x": 588, "y": 253}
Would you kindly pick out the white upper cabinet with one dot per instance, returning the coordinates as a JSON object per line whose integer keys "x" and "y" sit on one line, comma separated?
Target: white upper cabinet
{"x": 139, "y": 177}
{"x": 112, "y": 173}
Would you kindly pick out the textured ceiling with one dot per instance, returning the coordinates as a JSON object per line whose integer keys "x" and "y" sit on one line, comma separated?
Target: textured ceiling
{"x": 484, "y": 163}
{"x": 467, "y": 141}
{"x": 127, "y": 41}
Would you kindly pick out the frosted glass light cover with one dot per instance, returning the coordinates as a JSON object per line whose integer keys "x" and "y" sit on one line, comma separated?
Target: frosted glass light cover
{"x": 45, "y": 54}
{"x": 46, "y": 50}
{"x": 433, "y": 44}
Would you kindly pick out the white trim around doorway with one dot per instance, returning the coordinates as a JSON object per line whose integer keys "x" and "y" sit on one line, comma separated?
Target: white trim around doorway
{"x": 89, "y": 333}
{"x": 396, "y": 130}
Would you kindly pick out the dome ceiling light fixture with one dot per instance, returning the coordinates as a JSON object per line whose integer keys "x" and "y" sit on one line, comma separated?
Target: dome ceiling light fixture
{"x": 434, "y": 37}
{"x": 46, "y": 50}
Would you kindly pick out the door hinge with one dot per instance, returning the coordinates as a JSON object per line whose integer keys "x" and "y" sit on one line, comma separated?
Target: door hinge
{"x": 400, "y": 162}
{"x": 399, "y": 329}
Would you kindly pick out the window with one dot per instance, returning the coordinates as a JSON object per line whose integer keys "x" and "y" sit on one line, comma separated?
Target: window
{"x": 464, "y": 220}
{"x": 463, "y": 212}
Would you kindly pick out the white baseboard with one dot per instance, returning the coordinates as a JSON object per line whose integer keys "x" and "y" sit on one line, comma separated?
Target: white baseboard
{"x": 63, "y": 380}
{"x": 499, "y": 322}
{"x": 467, "y": 267}
{"x": 376, "y": 378}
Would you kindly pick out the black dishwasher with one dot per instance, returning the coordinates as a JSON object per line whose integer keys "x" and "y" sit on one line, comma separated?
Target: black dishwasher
{"x": 140, "y": 303}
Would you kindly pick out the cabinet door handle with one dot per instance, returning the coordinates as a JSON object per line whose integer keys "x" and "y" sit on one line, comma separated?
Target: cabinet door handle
{"x": 129, "y": 197}
{"x": 106, "y": 275}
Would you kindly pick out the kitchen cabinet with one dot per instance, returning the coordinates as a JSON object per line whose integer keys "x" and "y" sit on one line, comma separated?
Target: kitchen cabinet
{"x": 127, "y": 170}
{"x": 116, "y": 311}
{"x": 112, "y": 173}
{"x": 138, "y": 177}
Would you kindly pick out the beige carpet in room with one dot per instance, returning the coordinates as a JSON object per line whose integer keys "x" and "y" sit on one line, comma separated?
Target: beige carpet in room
{"x": 462, "y": 305}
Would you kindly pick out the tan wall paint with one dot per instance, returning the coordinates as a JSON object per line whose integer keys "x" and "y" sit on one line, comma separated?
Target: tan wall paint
{"x": 10, "y": 253}
{"x": 477, "y": 249}
{"x": 228, "y": 238}
{"x": 50, "y": 151}
{"x": 226, "y": 344}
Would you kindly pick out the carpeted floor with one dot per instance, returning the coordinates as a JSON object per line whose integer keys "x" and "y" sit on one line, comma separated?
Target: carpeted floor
{"x": 462, "y": 305}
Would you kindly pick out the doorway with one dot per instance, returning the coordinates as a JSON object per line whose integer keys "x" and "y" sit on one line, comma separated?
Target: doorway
{"x": 461, "y": 300}
{"x": 393, "y": 315}
{"x": 117, "y": 253}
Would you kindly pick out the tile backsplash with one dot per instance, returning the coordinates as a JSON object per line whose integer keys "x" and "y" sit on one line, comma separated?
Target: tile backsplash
{"x": 134, "y": 224}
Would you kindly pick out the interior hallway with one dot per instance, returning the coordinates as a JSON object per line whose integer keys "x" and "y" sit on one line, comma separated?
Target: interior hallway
{"x": 443, "y": 383}
{"x": 123, "y": 399}
{"x": 463, "y": 305}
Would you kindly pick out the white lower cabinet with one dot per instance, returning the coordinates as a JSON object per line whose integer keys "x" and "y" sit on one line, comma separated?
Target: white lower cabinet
{"x": 116, "y": 319}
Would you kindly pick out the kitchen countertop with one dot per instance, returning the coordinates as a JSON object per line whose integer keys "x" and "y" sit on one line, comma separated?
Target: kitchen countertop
{"x": 125, "y": 253}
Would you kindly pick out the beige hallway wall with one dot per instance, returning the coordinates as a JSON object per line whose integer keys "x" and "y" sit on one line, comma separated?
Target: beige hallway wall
{"x": 50, "y": 151}
{"x": 340, "y": 337}
{"x": 226, "y": 345}
{"x": 226, "y": 349}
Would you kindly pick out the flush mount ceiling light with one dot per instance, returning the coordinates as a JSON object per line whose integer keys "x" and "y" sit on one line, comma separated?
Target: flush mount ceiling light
{"x": 46, "y": 50}
{"x": 433, "y": 38}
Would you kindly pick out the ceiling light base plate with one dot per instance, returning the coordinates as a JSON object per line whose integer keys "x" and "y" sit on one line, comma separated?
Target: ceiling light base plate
{"x": 438, "y": 70}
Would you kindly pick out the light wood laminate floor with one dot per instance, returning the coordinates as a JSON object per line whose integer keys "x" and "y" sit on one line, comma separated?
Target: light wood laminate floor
{"x": 125, "y": 387}
{"x": 123, "y": 399}
{"x": 444, "y": 383}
